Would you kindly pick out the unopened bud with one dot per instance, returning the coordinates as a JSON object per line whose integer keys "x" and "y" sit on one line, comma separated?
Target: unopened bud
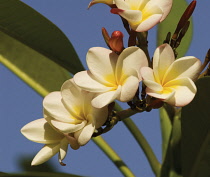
{"x": 105, "y": 36}
{"x": 116, "y": 42}
{"x": 186, "y": 15}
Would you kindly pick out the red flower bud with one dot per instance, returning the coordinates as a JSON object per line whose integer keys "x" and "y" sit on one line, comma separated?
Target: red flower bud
{"x": 116, "y": 42}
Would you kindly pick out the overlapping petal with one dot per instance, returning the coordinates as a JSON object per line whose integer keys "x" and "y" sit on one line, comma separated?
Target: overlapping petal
{"x": 143, "y": 14}
{"x": 86, "y": 80}
{"x": 102, "y": 64}
{"x": 104, "y": 99}
{"x": 41, "y": 132}
{"x": 46, "y": 153}
{"x": 84, "y": 135}
{"x": 185, "y": 91}
{"x": 52, "y": 103}
{"x": 163, "y": 58}
{"x": 183, "y": 67}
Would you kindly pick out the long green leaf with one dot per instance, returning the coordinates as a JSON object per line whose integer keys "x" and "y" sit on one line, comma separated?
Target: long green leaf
{"x": 38, "y": 174}
{"x": 170, "y": 23}
{"x": 196, "y": 133}
{"x": 42, "y": 74}
{"x": 24, "y": 24}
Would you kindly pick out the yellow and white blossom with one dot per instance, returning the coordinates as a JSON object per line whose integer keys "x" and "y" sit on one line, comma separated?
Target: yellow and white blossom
{"x": 69, "y": 118}
{"x": 171, "y": 80}
{"x": 40, "y": 131}
{"x": 112, "y": 76}
{"x": 70, "y": 111}
{"x": 143, "y": 14}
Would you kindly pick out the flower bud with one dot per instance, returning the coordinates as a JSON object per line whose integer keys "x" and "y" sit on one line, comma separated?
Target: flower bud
{"x": 116, "y": 42}
{"x": 105, "y": 36}
{"x": 186, "y": 15}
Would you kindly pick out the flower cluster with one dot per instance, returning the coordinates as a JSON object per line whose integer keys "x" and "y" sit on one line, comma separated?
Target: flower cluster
{"x": 72, "y": 115}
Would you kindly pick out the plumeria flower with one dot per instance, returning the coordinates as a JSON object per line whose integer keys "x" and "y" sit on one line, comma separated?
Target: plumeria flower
{"x": 143, "y": 14}
{"x": 108, "y": 2}
{"x": 112, "y": 76}
{"x": 69, "y": 118}
{"x": 171, "y": 80}
{"x": 40, "y": 131}
{"x": 70, "y": 111}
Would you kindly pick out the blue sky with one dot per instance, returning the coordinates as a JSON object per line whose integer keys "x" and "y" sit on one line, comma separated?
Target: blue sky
{"x": 20, "y": 104}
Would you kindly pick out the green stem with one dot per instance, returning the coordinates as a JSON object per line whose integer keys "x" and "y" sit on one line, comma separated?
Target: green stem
{"x": 155, "y": 165}
{"x": 101, "y": 143}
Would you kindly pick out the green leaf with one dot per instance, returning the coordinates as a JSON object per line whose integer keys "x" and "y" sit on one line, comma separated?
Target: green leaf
{"x": 42, "y": 74}
{"x": 24, "y": 24}
{"x": 196, "y": 132}
{"x": 39, "y": 174}
{"x": 170, "y": 23}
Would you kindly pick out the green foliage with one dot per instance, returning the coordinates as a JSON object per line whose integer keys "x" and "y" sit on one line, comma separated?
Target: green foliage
{"x": 196, "y": 133}
{"x": 170, "y": 23}
{"x": 24, "y": 24}
{"x": 36, "y": 70}
{"x": 39, "y": 174}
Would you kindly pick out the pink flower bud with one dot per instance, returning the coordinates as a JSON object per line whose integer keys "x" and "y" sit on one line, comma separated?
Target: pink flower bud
{"x": 116, "y": 42}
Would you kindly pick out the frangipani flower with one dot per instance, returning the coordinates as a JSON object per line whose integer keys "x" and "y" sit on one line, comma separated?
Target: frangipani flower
{"x": 143, "y": 14}
{"x": 41, "y": 131}
{"x": 69, "y": 118}
{"x": 112, "y": 76}
{"x": 70, "y": 111}
{"x": 108, "y": 2}
{"x": 171, "y": 80}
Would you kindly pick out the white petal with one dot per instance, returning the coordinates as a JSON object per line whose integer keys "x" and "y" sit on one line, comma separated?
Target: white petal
{"x": 102, "y": 62}
{"x": 183, "y": 67}
{"x": 185, "y": 91}
{"x": 41, "y": 132}
{"x": 67, "y": 127}
{"x": 46, "y": 153}
{"x": 165, "y": 94}
{"x": 134, "y": 17}
{"x": 147, "y": 24}
{"x": 56, "y": 109}
{"x": 163, "y": 58}
{"x": 105, "y": 98}
{"x": 84, "y": 135}
{"x": 129, "y": 89}
{"x": 130, "y": 62}
{"x": 122, "y": 4}
{"x": 99, "y": 116}
{"x": 165, "y": 5}
{"x": 63, "y": 149}
{"x": 151, "y": 15}
{"x": 86, "y": 81}
{"x": 72, "y": 97}
{"x": 149, "y": 80}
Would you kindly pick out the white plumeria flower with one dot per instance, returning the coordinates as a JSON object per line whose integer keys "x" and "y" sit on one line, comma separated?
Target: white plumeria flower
{"x": 108, "y": 2}
{"x": 171, "y": 80}
{"x": 41, "y": 131}
{"x": 112, "y": 76}
{"x": 70, "y": 111}
{"x": 143, "y": 14}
